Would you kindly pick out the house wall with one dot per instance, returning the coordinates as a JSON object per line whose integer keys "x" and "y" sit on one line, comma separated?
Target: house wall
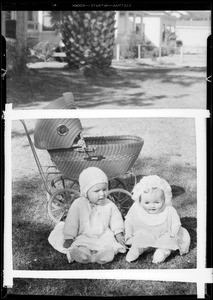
{"x": 37, "y": 34}
{"x": 193, "y": 36}
{"x": 128, "y": 22}
{"x": 152, "y": 29}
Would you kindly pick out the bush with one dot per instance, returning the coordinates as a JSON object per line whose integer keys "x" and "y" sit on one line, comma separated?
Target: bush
{"x": 44, "y": 50}
{"x": 148, "y": 50}
{"x": 179, "y": 43}
{"x": 149, "y": 46}
{"x": 129, "y": 45}
{"x": 172, "y": 50}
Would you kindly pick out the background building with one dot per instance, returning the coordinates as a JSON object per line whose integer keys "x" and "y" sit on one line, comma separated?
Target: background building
{"x": 156, "y": 27}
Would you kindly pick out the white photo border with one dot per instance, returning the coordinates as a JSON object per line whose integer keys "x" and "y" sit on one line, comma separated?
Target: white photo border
{"x": 201, "y": 275}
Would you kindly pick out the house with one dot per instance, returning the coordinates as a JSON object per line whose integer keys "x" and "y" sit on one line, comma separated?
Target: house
{"x": 29, "y": 26}
{"x": 128, "y": 22}
{"x": 154, "y": 27}
{"x": 38, "y": 26}
{"x": 156, "y": 24}
{"x": 193, "y": 34}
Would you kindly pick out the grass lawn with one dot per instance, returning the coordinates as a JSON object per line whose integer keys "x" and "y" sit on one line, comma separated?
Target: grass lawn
{"x": 136, "y": 85}
{"x": 169, "y": 151}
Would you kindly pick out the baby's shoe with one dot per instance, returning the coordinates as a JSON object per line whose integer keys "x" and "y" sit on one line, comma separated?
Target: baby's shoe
{"x": 133, "y": 254}
{"x": 160, "y": 255}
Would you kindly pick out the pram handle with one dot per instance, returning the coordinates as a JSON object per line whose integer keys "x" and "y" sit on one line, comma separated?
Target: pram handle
{"x": 36, "y": 158}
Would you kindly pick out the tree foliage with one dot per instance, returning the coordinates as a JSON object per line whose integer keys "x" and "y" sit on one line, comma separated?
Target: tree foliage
{"x": 88, "y": 37}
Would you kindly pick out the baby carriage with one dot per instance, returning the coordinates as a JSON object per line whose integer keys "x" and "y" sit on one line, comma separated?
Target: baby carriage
{"x": 71, "y": 152}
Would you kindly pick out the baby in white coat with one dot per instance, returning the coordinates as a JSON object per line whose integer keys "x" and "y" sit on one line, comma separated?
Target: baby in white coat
{"x": 152, "y": 221}
{"x": 94, "y": 229}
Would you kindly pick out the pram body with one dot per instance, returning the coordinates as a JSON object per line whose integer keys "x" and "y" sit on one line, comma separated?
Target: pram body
{"x": 72, "y": 153}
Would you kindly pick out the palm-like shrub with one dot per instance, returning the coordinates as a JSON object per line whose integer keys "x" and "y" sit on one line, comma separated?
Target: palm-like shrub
{"x": 88, "y": 37}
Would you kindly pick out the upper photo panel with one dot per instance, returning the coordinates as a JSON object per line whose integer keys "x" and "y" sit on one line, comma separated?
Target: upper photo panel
{"x": 107, "y": 59}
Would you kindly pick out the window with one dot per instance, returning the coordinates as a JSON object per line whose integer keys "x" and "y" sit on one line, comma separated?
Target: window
{"x": 10, "y": 24}
{"x": 30, "y": 16}
{"x": 138, "y": 22}
{"x": 10, "y": 15}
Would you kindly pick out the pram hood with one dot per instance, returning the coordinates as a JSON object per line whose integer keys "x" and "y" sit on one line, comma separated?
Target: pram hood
{"x": 57, "y": 133}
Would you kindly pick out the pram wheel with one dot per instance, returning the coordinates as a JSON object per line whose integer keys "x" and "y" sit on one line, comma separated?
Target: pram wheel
{"x": 122, "y": 198}
{"x": 59, "y": 203}
{"x": 116, "y": 183}
{"x": 63, "y": 182}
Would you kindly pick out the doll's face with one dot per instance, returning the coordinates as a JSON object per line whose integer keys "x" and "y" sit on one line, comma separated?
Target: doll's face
{"x": 97, "y": 194}
{"x": 153, "y": 201}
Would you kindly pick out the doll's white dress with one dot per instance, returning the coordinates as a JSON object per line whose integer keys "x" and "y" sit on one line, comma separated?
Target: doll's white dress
{"x": 145, "y": 230}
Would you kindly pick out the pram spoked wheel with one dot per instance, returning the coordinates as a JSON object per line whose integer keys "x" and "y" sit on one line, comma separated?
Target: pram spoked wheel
{"x": 63, "y": 182}
{"x": 59, "y": 203}
{"x": 122, "y": 198}
{"x": 116, "y": 183}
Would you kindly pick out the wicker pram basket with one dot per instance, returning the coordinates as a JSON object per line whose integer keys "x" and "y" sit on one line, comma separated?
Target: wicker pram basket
{"x": 72, "y": 153}
{"x": 113, "y": 154}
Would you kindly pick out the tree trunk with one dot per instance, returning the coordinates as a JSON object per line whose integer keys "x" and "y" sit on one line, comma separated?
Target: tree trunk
{"x": 21, "y": 29}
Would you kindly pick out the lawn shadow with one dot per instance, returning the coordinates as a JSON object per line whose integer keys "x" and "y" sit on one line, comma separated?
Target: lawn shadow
{"x": 177, "y": 190}
{"x": 122, "y": 90}
{"x": 190, "y": 224}
{"x": 30, "y": 243}
{"x": 165, "y": 75}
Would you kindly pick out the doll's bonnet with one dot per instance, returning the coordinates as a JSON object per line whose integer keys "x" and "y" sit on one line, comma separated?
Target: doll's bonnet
{"x": 152, "y": 181}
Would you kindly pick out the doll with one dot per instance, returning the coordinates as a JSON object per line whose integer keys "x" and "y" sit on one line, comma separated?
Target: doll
{"x": 152, "y": 221}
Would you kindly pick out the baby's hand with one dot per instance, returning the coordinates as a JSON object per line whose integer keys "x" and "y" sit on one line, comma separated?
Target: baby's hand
{"x": 120, "y": 239}
{"x": 68, "y": 243}
{"x": 174, "y": 232}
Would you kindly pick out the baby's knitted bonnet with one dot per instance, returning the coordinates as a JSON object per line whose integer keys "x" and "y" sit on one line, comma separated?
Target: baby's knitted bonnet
{"x": 89, "y": 177}
{"x": 152, "y": 181}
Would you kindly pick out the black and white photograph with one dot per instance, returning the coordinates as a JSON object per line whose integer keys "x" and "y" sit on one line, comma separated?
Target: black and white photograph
{"x": 106, "y": 112}
{"x": 123, "y": 157}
